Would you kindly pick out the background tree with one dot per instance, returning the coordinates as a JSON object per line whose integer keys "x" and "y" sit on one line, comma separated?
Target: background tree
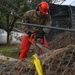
{"x": 12, "y": 10}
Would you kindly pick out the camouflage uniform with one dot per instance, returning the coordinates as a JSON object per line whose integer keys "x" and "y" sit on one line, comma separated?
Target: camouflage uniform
{"x": 33, "y": 18}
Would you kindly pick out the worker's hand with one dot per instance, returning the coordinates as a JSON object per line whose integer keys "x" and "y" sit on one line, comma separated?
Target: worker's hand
{"x": 46, "y": 30}
{"x": 40, "y": 34}
{"x": 32, "y": 39}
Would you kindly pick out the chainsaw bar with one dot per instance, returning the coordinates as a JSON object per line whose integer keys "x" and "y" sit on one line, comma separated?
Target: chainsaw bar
{"x": 42, "y": 47}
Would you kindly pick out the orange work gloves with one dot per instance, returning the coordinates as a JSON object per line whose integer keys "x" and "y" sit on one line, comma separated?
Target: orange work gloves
{"x": 32, "y": 38}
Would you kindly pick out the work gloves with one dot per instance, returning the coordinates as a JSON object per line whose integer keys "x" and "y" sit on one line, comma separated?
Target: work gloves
{"x": 35, "y": 35}
{"x": 32, "y": 38}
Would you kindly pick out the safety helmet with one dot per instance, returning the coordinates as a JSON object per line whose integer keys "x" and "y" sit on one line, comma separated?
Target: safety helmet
{"x": 43, "y": 7}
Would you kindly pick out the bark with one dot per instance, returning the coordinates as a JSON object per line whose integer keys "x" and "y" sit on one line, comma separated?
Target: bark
{"x": 7, "y": 17}
{"x": 10, "y": 26}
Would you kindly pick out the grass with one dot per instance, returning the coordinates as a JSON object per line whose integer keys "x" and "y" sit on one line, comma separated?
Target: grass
{"x": 11, "y": 51}
{"x": 8, "y": 50}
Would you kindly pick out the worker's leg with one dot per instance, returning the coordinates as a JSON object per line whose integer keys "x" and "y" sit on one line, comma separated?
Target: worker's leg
{"x": 25, "y": 45}
{"x": 44, "y": 43}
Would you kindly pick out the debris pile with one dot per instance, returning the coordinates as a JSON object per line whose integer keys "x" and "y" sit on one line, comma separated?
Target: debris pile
{"x": 57, "y": 62}
{"x": 61, "y": 61}
{"x": 62, "y": 40}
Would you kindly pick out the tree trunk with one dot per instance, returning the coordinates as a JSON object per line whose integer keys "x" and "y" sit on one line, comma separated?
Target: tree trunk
{"x": 10, "y": 26}
{"x": 8, "y": 33}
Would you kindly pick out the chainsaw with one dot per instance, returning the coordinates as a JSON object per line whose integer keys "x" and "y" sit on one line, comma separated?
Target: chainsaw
{"x": 45, "y": 49}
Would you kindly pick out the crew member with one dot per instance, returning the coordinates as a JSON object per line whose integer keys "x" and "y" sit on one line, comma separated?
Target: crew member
{"x": 39, "y": 16}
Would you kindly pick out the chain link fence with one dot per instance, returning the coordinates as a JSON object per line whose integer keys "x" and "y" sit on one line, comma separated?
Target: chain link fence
{"x": 56, "y": 62}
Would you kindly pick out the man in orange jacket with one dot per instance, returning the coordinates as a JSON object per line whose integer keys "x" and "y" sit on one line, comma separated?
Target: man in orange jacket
{"x": 39, "y": 16}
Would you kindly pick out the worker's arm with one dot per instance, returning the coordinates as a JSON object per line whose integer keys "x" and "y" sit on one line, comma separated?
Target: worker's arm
{"x": 48, "y": 22}
{"x": 25, "y": 19}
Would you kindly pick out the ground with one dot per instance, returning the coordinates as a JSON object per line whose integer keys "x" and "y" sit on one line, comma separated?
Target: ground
{"x": 7, "y": 50}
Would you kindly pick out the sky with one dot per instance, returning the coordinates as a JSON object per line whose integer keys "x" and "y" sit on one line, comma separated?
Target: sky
{"x": 69, "y": 2}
